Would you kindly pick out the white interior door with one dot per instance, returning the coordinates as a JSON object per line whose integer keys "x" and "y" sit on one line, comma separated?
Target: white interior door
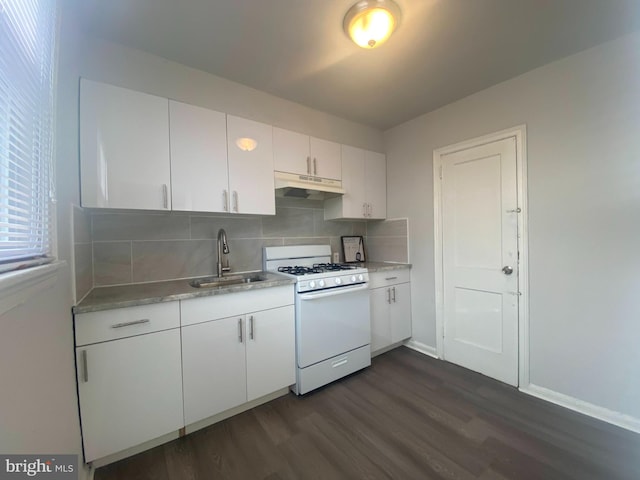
{"x": 480, "y": 259}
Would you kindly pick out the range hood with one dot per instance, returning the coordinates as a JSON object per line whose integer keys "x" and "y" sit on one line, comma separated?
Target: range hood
{"x": 306, "y": 186}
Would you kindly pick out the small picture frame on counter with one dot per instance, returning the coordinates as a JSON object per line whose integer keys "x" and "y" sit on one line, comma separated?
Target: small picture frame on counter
{"x": 353, "y": 248}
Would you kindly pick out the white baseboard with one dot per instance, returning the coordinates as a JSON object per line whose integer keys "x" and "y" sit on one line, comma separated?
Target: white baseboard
{"x": 616, "y": 418}
{"x": 422, "y": 348}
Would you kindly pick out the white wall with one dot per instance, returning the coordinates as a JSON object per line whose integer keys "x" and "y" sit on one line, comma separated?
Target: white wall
{"x": 38, "y": 403}
{"x": 583, "y": 122}
{"x": 137, "y": 70}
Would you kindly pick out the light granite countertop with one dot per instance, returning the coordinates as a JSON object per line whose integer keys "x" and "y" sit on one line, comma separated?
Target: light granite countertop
{"x": 384, "y": 266}
{"x": 106, "y": 298}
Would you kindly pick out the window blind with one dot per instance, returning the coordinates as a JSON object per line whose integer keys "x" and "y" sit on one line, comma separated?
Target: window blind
{"x": 27, "y": 48}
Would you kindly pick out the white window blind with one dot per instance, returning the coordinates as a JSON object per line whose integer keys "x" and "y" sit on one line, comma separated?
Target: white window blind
{"x": 27, "y": 47}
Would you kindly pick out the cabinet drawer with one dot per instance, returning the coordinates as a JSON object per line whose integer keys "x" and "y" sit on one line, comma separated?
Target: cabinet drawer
{"x": 389, "y": 277}
{"x": 94, "y": 327}
{"x": 203, "y": 309}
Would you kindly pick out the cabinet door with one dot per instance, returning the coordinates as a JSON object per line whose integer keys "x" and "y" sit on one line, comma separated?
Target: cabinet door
{"x": 270, "y": 351}
{"x": 199, "y": 174}
{"x": 326, "y": 160}
{"x": 291, "y": 152}
{"x": 124, "y": 148}
{"x": 376, "y": 184}
{"x": 251, "y": 182}
{"x": 380, "y": 326}
{"x": 130, "y": 391}
{"x": 400, "y": 312}
{"x": 353, "y": 182}
{"x": 213, "y": 367}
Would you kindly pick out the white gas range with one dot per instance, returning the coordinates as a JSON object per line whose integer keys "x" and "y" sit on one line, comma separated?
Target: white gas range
{"x": 333, "y": 329}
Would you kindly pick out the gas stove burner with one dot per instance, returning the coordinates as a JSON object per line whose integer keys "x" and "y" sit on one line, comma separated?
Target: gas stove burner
{"x": 316, "y": 268}
{"x": 333, "y": 267}
{"x": 298, "y": 270}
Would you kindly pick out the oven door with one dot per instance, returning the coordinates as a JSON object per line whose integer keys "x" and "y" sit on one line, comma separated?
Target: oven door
{"x": 331, "y": 322}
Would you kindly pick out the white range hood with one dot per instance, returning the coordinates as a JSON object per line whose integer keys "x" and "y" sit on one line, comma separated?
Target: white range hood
{"x": 306, "y": 186}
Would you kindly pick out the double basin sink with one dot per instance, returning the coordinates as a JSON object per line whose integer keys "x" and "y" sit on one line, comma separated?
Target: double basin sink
{"x": 209, "y": 282}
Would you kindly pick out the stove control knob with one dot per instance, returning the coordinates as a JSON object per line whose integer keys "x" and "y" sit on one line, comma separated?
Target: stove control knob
{"x": 353, "y": 278}
{"x": 338, "y": 281}
{"x": 321, "y": 283}
{"x": 312, "y": 284}
{"x": 361, "y": 278}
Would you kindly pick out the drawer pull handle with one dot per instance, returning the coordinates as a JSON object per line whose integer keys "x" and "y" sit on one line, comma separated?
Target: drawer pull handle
{"x": 240, "y": 330}
{"x": 251, "y": 332}
{"x": 129, "y": 324}
{"x": 85, "y": 369}
{"x": 339, "y": 363}
{"x": 391, "y": 278}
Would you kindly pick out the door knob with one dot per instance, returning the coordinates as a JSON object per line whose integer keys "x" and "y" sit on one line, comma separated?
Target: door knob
{"x": 507, "y": 270}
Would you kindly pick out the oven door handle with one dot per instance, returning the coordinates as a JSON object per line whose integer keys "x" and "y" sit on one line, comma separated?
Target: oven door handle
{"x": 332, "y": 292}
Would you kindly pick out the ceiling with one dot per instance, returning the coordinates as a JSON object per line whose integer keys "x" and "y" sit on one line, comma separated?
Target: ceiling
{"x": 296, "y": 49}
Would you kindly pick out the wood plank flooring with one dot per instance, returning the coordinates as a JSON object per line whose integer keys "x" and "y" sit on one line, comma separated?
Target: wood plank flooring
{"x": 408, "y": 416}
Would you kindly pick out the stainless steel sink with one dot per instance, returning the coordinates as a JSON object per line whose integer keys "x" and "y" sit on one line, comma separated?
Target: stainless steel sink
{"x": 209, "y": 282}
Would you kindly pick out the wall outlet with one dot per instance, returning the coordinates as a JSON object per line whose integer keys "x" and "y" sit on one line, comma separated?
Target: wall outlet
{"x": 336, "y": 257}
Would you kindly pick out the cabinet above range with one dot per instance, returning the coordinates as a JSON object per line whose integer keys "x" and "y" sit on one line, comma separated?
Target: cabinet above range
{"x": 143, "y": 152}
{"x": 301, "y": 154}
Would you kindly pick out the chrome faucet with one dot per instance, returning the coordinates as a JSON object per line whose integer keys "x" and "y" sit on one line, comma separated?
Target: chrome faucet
{"x": 223, "y": 248}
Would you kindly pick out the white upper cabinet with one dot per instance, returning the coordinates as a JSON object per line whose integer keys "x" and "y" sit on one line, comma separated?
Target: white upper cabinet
{"x": 124, "y": 148}
{"x": 291, "y": 152}
{"x": 376, "y": 184}
{"x": 303, "y": 155}
{"x": 364, "y": 180}
{"x": 199, "y": 172}
{"x": 326, "y": 159}
{"x": 250, "y": 150}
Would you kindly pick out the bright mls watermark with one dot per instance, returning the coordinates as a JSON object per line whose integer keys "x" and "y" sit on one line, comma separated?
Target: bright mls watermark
{"x": 51, "y": 467}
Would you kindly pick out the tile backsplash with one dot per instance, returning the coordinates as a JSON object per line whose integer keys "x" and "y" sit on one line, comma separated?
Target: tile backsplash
{"x": 115, "y": 248}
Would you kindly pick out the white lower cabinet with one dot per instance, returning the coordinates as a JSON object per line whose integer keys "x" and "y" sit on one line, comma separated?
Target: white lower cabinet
{"x": 147, "y": 371}
{"x": 130, "y": 388}
{"x": 390, "y": 308}
{"x": 231, "y": 356}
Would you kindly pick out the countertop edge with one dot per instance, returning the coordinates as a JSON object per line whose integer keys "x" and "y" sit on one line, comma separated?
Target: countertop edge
{"x": 96, "y": 305}
{"x": 385, "y": 266}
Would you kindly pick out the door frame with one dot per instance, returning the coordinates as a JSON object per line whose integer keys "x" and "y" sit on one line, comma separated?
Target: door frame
{"x": 519, "y": 133}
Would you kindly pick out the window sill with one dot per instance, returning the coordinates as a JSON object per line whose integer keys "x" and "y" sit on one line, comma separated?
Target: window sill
{"x": 18, "y": 286}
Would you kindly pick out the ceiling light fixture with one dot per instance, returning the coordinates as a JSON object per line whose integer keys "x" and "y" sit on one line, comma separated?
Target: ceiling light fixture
{"x": 370, "y": 23}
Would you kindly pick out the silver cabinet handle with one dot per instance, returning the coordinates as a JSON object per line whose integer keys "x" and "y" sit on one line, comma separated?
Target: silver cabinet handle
{"x": 315, "y": 166}
{"x": 225, "y": 201}
{"x": 165, "y": 195}
{"x": 391, "y": 278}
{"x": 308, "y": 165}
{"x": 388, "y": 295}
{"x": 370, "y": 209}
{"x": 364, "y": 209}
{"x": 394, "y": 294}
{"x": 85, "y": 369}
{"x": 251, "y": 332}
{"x": 240, "y": 330}
{"x": 235, "y": 201}
{"x": 129, "y": 324}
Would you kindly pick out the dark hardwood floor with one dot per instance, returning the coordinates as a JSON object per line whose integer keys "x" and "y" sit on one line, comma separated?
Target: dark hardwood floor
{"x": 408, "y": 416}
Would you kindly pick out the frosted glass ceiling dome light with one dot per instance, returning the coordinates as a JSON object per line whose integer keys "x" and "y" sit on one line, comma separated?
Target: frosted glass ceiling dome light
{"x": 369, "y": 23}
